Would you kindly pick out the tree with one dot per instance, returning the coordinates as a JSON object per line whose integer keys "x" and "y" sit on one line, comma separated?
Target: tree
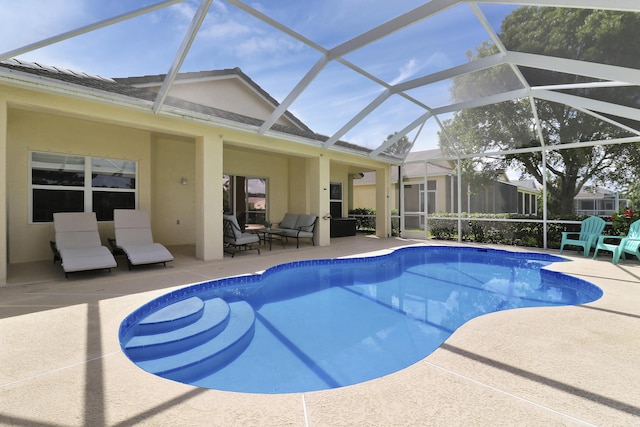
{"x": 400, "y": 147}
{"x": 590, "y": 35}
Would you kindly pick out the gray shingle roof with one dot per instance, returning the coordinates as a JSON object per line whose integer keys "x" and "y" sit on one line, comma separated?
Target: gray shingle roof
{"x": 237, "y": 72}
{"x": 117, "y": 87}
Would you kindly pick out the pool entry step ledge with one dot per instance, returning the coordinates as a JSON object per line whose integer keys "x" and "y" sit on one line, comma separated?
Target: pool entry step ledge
{"x": 191, "y": 338}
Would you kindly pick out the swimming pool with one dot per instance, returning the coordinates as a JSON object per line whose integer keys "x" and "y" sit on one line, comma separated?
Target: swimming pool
{"x": 321, "y": 324}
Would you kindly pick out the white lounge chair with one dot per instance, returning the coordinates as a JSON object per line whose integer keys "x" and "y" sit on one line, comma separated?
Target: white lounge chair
{"x": 78, "y": 242}
{"x": 134, "y": 238}
{"x": 234, "y": 239}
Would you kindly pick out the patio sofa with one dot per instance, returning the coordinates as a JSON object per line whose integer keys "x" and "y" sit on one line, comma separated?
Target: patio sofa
{"x": 298, "y": 226}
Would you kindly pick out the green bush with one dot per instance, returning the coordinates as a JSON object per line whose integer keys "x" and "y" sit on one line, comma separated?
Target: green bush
{"x": 526, "y": 234}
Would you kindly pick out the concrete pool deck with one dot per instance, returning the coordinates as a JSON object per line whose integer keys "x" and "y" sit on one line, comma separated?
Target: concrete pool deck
{"x": 61, "y": 363}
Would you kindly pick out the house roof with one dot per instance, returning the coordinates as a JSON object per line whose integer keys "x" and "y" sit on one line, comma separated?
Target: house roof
{"x": 12, "y": 69}
{"x": 594, "y": 192}
{"x": 389, "y": 72}
{"x": 158, "y": 79}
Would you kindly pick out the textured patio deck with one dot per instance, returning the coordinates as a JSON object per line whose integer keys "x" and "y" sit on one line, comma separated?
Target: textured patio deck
{"x": 61, "y": 364}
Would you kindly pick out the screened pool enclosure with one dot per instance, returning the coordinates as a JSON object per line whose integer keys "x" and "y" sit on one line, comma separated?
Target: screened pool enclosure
{"x": 492, "y": 115}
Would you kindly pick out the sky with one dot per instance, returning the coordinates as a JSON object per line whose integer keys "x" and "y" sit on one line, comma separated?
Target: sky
{"x": 229, "y": 37}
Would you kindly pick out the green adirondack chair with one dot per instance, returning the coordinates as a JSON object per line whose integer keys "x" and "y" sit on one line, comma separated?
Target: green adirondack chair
{"x": 590, "y": 229}
{"x": 629, "y": 244}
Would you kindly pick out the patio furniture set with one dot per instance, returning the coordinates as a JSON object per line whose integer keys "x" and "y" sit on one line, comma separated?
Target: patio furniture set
{"x": 590, "y": 236}
{"x": 294, "y": 226}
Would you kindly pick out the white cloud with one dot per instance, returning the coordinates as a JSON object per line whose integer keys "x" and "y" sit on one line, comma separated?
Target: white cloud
{"x": 184, "y": 10}
{"x": 224, "y": 30}
{"x": 406, "y": 71}
{"x": 267, "y": 45}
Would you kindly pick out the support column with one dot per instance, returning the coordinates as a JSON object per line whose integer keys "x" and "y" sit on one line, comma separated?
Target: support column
{"x": 383, "y": 216}
{"x": 209, "y": 243}
{"x": 319, "y": 179}
{"x": 3, "y": 192}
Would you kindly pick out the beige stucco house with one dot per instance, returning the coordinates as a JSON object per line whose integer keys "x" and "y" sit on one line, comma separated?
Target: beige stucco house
{"x": 440, "y": 194}
{"x": 60, "y": 127}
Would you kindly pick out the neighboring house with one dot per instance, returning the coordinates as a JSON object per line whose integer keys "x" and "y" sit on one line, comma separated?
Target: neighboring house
{"x": 598, "y": 201}
{"x": 528, "y": 193}
{"x": 78, "y": 142}
{"x": 440, "y": 194}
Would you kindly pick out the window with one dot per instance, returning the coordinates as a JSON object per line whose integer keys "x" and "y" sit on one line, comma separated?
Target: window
{"x": 246, "y": 198}
{"x": 335, "y": 199}
{"x": 72, "y": 183}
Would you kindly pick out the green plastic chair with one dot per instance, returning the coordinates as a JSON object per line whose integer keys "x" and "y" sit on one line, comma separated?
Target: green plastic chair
{"x": 629, "y": 244}
{"x": 590, "y": 229}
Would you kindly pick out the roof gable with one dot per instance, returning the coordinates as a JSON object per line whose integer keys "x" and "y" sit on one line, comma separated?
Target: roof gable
{"x": 228, "y": 89}
{"x": 42, "y": 78}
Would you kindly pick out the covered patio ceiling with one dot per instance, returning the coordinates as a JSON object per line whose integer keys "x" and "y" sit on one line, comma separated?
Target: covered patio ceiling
{"x": 364, "y": 72}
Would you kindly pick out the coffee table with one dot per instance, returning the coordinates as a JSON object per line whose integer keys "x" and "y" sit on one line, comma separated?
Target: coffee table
{"x": 270, "y": 234}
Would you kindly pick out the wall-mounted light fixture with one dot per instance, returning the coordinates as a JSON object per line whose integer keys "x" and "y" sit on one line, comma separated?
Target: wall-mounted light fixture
{"x": 184, "y": 181}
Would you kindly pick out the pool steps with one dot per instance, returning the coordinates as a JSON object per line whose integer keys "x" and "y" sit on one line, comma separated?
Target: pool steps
{"x": 172, "y": 317}
{"x": 219, "y": 331}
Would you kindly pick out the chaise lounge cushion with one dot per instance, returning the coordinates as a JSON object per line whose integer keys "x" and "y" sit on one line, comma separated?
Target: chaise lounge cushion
{"x": 82, "y": 259}
{"x": 134, "y": 237}
{"x": 78, "y": 242}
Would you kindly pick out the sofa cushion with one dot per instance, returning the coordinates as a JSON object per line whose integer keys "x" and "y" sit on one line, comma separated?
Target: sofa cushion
{"x": 305, "y": 222}
{"x": 243, "y": 239}
{"x": 289, "y": 221}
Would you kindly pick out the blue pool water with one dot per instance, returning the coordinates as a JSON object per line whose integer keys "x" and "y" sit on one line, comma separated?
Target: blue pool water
{"x": 323, "y": 324}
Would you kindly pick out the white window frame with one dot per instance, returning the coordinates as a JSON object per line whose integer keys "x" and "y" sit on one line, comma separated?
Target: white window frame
{"x": 87, "y": 188}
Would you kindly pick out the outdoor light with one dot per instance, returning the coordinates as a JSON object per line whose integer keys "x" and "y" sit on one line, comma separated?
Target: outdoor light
{"x": 184, "y": 181}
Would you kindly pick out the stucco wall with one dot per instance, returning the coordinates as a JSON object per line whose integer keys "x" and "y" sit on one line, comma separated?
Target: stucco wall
{"x": 365, "y": 195}
{"x": 34, "y": 131}
{"x": 173, "y": 210}
{"x": 229, "y": 94}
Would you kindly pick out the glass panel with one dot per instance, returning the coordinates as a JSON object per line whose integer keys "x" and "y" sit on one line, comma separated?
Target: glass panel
{"x": 335, "y": 192}
{"x": 57, "y": 169}
{"x": 503, "y": 126}
{"x": 326, "y": 111}
{"x": 335, "y": 197}
{"x": 414, "y": 204}
{"x": 227, "y": 194}
{"x": 539, "y": 77}
{"x": 601, "y": 36}
{"x": 335, "y": 209}
{"x": 109, "y": 173}
{"x": 562, "y": 124}
{"x": 427, "y": 46}
{"x": 386, "y": 120}
{"x": 256, "y": 200}
{"x": 607, "y": 170}
{"x": 104, "y": 202}
{"x": 46, "y": 202}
